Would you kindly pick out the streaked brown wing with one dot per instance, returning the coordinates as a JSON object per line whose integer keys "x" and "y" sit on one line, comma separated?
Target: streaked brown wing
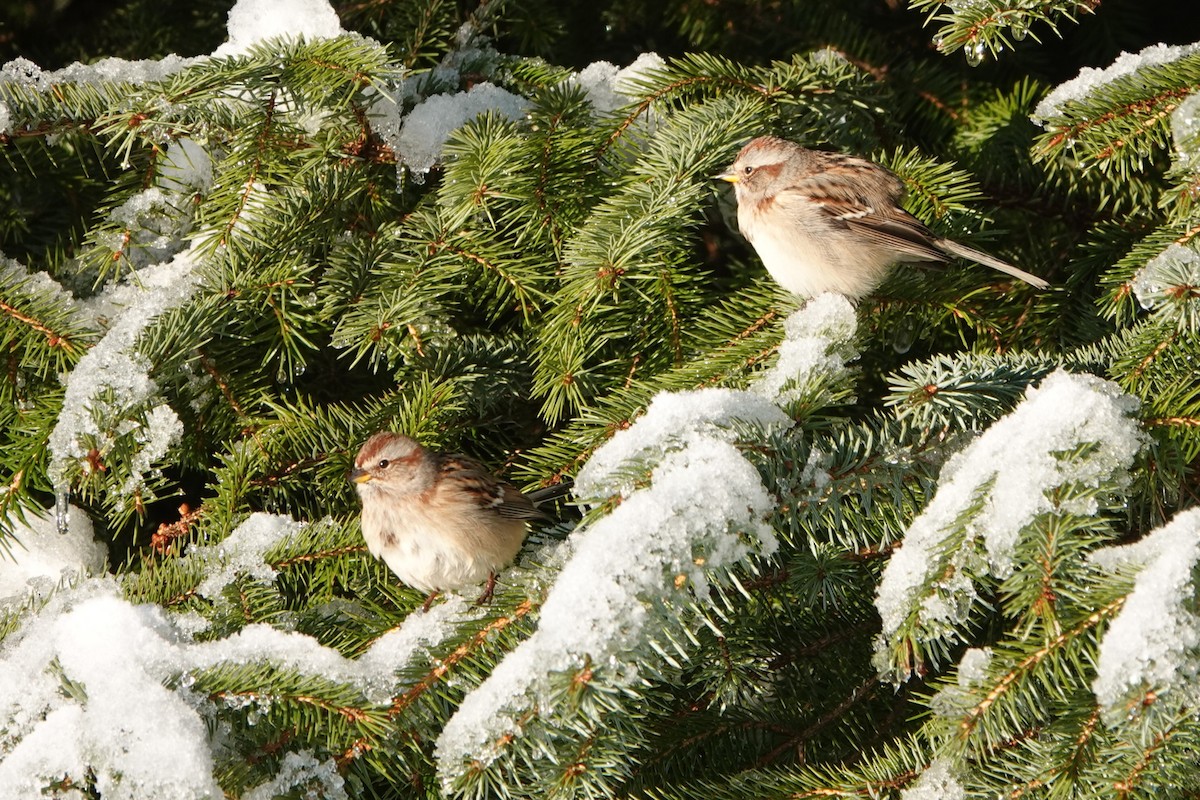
{"x": 890, "y": 228}
{"x": 503, "y": 498}
{"x": 904, "y": 234}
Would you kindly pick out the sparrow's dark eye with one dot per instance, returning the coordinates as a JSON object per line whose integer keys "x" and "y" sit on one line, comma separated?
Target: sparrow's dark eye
{"x": 748, "y": 170}
{"x": 383, "y": 463}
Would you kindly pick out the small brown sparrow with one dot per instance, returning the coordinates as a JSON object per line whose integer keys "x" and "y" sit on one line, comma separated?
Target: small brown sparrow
{"x": 439, "y": 521}
{"x": 827, "y": 222}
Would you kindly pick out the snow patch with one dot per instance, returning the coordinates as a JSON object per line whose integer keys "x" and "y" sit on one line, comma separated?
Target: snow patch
{"x": 673, "y": 421}
{"x": 817, "y": 343}
{"x": 186, "y": 168}
{"x": 130, "y": 726}
{"x": 702, "y": 511}
{"x": 302, "y": 770}
{"x": 23, "y": 72}
{"x": 15, "y": 276}
{"x": 973, "y": 666}
{"x": 1185, "y": 129}
{"x": 1177, "y": 266}
{"x": 93, "y": 687}
{"x": 243, "y": 552}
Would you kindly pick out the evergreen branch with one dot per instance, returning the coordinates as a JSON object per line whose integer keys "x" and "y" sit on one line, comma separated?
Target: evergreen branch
{"x": 744, "y": 347}
{"x": 1071, "y": 763}
{"x": 351, "y": 714}
{"x": 613, "y": 294}
{"x": 683, "y": 76}
{"x": 523, "y": 292}
{"x": 1154, "y": 107}
{"x": 1186, "y": 422}
{"x": 219, "y": 379}
{"x": 164, "y": 538}
{"x": 962, "y": 390}
{"x": 524, "y": 303}
{"x": 1119, "y": 123}
{"x": 834, "y": 714}
{"x": 403, "y": 701}
{"x": 255, "y": 165}
{"x": 996, "y": 25}
{"x": 1022, "y": 669}
{"x": 53, "y": 338}
{"x": 560, "y": 120}
{"x": 1148, "y": 360}
{"x": 1129, "y": 784}
{"x": 320, "y": 555}
{"x": 934, "y": 189}
{"x": 179, "y": 599}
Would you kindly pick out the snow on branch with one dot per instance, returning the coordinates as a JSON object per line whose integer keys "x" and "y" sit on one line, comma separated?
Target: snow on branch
{"x": 39, "y": 558}
{"x": 1153, "y": 644}
{"x": 111, "y": 386}
{"x": 690, "y": 508}
{"x": 421, "y": 136}
{"x": 254, "y": 21}
{"x": 1090, "y": 79}
{"x": 113, "y": 654}
{"x": 97, "y": 691}
{"x": 1072, "y": 430}
{"x": 937, "y": 782}
{"x": 1185, "y": 130}
{"x": 1166, "y": 286}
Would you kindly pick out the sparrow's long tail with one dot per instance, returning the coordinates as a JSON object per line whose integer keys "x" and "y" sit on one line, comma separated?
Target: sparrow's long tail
{"x": 962, "y": 251}
{"x": 549, "y": 494}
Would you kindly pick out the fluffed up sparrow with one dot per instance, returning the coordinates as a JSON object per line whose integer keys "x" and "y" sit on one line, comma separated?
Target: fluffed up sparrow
{"x": 439, "y": 521}
{"x": 827, "y": 222}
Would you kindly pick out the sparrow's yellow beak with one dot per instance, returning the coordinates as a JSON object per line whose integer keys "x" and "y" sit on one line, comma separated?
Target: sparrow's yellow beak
{"x": 730, "y": 176}
{"x": 359, "y": 475}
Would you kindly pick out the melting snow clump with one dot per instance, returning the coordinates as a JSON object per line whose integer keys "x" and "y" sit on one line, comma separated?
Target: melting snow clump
{"x": 1153, "y": 644}
{"x": 428, "y": 126}
{"x": 39, "y": 557}
{"x": 937, "y": 782}
{"x": 253, "y": 21}
{"x": 111, "y": 382}
{"x": 1178, "y": 265}
{"x": 609, "y": 87}
{"x": 996, "y": 487}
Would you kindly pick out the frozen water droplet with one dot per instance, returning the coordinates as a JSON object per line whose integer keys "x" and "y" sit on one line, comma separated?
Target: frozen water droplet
{"x": 906, "y": 334}
{"x": 62, "y": 496}
{"x": 974, "y": 53}
{"x": 1020, "y": 29}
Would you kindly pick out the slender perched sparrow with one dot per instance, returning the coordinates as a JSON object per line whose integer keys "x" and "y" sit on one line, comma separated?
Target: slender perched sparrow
{"x": 826, "y": 222}
{"x": 439, "y": 521}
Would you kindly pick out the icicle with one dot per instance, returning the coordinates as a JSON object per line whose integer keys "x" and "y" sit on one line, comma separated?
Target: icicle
{"x": 62, "y": 496}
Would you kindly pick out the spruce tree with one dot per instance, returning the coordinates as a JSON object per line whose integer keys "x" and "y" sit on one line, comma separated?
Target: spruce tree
{"x": 941, "y": 544}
